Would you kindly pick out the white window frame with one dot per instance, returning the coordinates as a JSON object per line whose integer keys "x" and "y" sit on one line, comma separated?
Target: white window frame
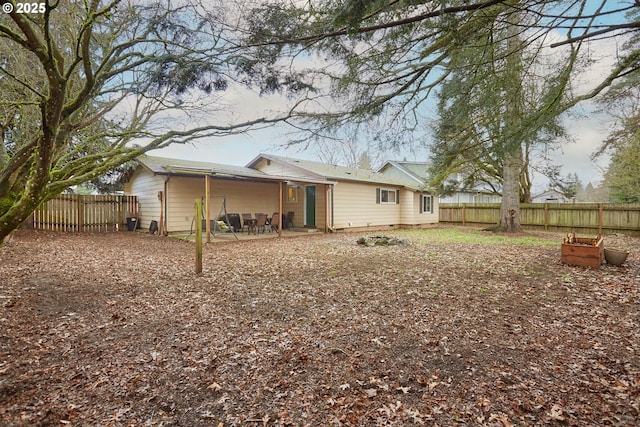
{"x": 387, "y": 192}
{"x": 423, "y": 199}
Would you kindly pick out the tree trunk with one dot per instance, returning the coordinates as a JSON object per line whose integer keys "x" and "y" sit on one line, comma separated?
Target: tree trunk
{"x": 513, "y": 158}
{"x": 510, "y": 207}
{"x": 13, "y": 218}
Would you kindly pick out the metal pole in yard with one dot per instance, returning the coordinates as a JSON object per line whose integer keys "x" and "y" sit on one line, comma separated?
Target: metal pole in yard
{"x": 198, "y": 235}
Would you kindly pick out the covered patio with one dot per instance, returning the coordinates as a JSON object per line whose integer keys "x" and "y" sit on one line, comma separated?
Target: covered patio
{"x": 244, "y": 236}
{"x": 168, "y": 188}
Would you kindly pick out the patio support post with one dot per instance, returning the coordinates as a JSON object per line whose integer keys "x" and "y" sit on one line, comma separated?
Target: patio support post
{"x": 207, "y": 191}
{"x": 161, "y": 222}
{"x": 198, "y": 217}
{"x": 280, "y": 209}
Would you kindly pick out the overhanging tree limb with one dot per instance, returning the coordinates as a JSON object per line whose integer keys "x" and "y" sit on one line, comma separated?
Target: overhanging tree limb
{"x": 115, "y": 75}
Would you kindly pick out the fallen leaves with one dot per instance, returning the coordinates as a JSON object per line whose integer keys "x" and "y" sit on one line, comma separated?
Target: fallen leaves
{"x": 556, "y": 413}
{"x": 116, "y": 329}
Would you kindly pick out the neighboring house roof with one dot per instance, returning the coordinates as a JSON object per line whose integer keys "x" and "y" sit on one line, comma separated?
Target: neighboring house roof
{"x": 167, "y": 166}
{"x": 550, "y": 195}
{"x": 335, "y": 172}
{"x": 418, "y": 171}
{"x": 415, "y": 171}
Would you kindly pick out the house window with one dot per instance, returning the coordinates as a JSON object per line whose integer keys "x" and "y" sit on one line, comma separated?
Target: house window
{"x": 426, "y": 203}
{"x": 292, "y": 194}
{"x": 386, "y": 195}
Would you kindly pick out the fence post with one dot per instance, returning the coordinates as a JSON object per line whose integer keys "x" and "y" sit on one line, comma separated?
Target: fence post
{"x": 464, "y": 214}
{"x": 80, "y": 215}
{"x": 546, "y": 216}
{"x": 121, "y": 201}
{"x": 600, "y": 219}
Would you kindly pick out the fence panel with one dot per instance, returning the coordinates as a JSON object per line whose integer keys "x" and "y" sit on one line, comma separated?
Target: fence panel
{"x": 84, "y": 213}
{"x": 579, "y": 217}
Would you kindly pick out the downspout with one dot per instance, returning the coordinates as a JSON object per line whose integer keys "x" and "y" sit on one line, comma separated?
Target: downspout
{"x": 330, "y": 192}
{"x": 326, "y": 208}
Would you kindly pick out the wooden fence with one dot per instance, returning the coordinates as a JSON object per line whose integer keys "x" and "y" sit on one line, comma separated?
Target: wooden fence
{"x": 579, "y": 217}
{"x": 75, "y": 212}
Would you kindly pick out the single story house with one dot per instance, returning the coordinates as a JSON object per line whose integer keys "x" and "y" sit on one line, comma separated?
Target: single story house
{"x": 471, "y": 196}
{"x": 327, "y": 197}
{"x": 358, "y": 198}
{"x": 550, "y": 196}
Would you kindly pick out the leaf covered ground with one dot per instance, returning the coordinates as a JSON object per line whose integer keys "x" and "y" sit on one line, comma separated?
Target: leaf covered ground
{"x": 456, "y": 328}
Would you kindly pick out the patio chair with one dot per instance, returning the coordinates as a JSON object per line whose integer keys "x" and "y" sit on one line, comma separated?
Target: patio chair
{"x": 266, "y": 224}
{"x": 234, "y": 221}
{"x": 246, "y": 217}
{"x": 275, "y": 221}
{"x": 262, "y": 222}
{"x": 288, "y": 222}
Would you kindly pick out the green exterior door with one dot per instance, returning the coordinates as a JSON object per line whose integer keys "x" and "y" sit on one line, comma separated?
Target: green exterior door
{"x": 310, "y": 206}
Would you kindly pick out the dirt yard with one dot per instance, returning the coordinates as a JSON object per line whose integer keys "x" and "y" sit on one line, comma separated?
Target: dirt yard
{"x": 117, "y": 330}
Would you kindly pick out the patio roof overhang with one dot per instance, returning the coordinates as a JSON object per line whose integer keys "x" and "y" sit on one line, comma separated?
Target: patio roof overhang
{"x": 246, "y": 175}
{"x": 242, "y": 175}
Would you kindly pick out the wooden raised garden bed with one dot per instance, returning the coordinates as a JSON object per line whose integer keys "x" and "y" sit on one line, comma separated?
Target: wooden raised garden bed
{"x": 582, "y": 251}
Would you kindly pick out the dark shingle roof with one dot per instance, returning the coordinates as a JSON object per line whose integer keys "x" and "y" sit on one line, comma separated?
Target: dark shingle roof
{"x": 167, "y": 166}
{"x": 337, "y": 172}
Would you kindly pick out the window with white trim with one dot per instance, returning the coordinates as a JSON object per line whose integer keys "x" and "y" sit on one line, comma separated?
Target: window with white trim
{"x": 426, "y": 203}
{"x": 386, "y": 196}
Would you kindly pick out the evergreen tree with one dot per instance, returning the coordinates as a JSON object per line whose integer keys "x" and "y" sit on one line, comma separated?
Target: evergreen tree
{"x": 386, "y": 59}
{"x": 623, "y": 176}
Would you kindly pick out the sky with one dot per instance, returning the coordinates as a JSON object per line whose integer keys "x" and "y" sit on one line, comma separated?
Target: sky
{"x": 587, "y": 130}
{"x": 587, "y": 134}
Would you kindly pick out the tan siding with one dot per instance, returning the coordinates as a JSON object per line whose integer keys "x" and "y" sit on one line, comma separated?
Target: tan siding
{"x": 181, "y": 196}
{"x": 322, "y": 206}
{"x": 355, "y": 206}
{"x": 424, "y": 218}
{"x": 146, "y": 186}
{"x": 246, "y": 197}
{"x": 297, "y": 206}
{"x": 409, "y": 206}
{"x": 433, "y": 218}
{"x": 241, "y": 197}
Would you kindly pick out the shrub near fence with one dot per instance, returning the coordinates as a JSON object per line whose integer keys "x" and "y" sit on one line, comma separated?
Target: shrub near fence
{"x": 579, "y": 217}
{"x": 76, "y": 212}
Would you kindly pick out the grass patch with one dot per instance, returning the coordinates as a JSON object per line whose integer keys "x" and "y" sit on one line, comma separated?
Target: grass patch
{"x": 471, "y": 236}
